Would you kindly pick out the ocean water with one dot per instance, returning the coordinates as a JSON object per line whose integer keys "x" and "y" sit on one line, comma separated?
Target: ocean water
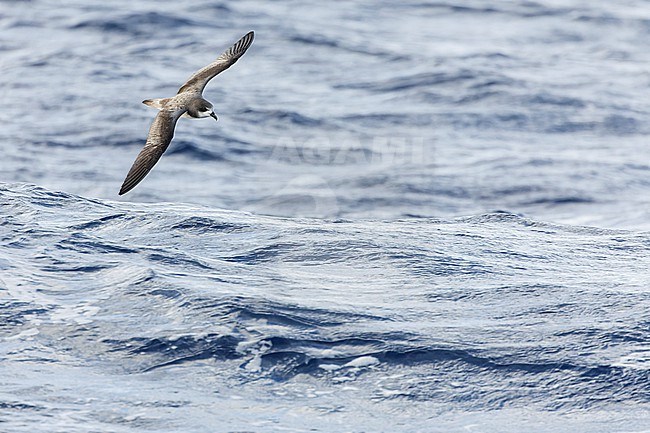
{"x": 411, "y": 216}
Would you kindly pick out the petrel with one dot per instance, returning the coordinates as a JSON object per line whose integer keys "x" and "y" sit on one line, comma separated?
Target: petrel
{"x": 188, "y": 102}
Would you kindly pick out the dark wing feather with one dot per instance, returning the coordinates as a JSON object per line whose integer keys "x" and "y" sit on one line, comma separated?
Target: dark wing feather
{"x": 199, "y": 79}
{"x": 160, "y": 135}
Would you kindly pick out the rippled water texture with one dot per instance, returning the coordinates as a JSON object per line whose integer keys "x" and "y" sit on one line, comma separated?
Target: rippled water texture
{"x": 411, "y": 216}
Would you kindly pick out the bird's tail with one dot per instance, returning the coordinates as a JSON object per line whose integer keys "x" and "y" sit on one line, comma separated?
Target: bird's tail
{"x": 156, "y": 103}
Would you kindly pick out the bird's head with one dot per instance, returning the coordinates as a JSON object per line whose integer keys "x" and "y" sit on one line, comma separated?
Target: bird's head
{"x": 201, "y": 108}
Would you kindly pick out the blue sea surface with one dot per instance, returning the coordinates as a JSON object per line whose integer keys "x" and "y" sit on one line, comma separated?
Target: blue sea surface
{"x": 416, "y": 216}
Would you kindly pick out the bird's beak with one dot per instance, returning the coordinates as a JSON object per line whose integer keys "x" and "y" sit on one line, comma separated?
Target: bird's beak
{"x": 214, "y": 115}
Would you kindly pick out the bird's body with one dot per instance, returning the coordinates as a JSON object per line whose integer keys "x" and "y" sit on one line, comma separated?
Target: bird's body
{"x": 188, "y": 102}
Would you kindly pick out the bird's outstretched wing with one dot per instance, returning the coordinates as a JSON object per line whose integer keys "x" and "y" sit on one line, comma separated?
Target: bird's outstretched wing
{"x": 200, "y": 78}
{"x": 160, "y": 135}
